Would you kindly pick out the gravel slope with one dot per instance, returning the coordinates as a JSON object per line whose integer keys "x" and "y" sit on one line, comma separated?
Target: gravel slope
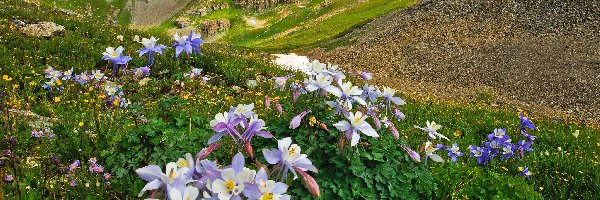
{"x": 542, "y": 56}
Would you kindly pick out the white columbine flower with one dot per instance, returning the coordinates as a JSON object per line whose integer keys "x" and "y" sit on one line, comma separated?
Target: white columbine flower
{"x": 189, "y": 193}
{"x": 348, "y": 93}
{"x": 179, "y": 39}
{"x": 244, "y": 110}
{"x": 430, "y": 150}
{"x": 431, "y": 129}
{"x": 357, "y": 123}
{"x": 149, "y": 43}
{"x": 321, "y": 82}
{"x": 232, "y": 184}
{"x": 113, "y": 53}
{"x": 187, "y": 162}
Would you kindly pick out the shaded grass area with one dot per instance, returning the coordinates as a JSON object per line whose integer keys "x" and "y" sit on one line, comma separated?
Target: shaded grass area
{"x": 100, "y": 8}
{"x": 178, "y": 123}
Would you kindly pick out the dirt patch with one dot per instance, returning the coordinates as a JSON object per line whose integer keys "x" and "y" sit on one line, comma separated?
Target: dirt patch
{"x": 146, "y": 13}
{"x": 542, "y": 56}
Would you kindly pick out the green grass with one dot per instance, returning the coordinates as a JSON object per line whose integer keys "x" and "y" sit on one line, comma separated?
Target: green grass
{"x": 179, "y": 115}
{"x": 100, "y": 8}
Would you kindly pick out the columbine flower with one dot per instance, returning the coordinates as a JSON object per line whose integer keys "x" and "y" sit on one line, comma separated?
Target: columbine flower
{"x": 399, "y": 115}
{"x": 499, "y": 134}
{"x": 181, "y": 43}
{"x": 232, "y": 181}
{"x": 365, "y": 75}
{"x": 72, "y": 183}
{"x": 141, "y": 71}
{"x": 189, "y": 193}
{"x": 357, "y": 124}
{"x": 526, "y": 123}
{"x": 187, "y": 162}
{"x": 68, "y": 74}
{"x": 115, "y": 57}
{"x": 107, "y": 176}
{"x": 370, "y": 92}
{"x": 321, "y": 82}
{"x": 480, "y": 153}
{"x": 224, "y": 123}
{"x": 336, "y": 73}
{"x": 151, "y": 49}
{"x": 297, "y": 119}
{"x": 288, "y": 156}
{"x": 454, "y": 151}
{"x": 431, "y": 129}
{"x": 525, "y": 172}
{"x": 388, "y": 96}
{"x": 263, "y": 188}
{"x": 244, "y": 110}
{"x": 255, "y": 127}
{"x": 157, "y": 179}
{"x": 195, "y": 41}
{"x": 349, "y": 93}
{"x": 430, "y": 149}
{"x": 507, "y": 150}
{"x": 196, "y": 72}
{"x": 281, "y": 81}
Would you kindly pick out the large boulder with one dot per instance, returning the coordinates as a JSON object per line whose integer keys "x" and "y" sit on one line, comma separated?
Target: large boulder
{"x": 183, "y": 22}
{"x": 212, "y": 27}
{"x": 40, "y": 29}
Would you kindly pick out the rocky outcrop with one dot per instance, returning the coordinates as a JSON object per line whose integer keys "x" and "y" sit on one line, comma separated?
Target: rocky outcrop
{"x": 40, "y": 29}
{"x": 183, "y": 22}
{"x": 212, "y": 27}
{"x": 262, "y": 4}
{"x": 204, "y": 10}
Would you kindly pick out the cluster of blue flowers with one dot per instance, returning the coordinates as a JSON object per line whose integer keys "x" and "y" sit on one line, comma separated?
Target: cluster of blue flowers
{"x": 500, "y": 145}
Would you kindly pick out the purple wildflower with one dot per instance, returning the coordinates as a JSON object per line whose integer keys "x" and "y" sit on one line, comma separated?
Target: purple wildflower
{"x": 288, "y": 156}
{"x": 72, "y": 183}
{"x": 525, "y": 172}
{"x": 141, "y": 71}
{"x": 151, "y": 49}
{"x": 74, "y": 165}
{"x": 454, "y": 151}
{"x": 9, "y": 178}
{"x": 107, "y": 176}
{"x": 365, "y": 75}
{"x": 115, "y": 57}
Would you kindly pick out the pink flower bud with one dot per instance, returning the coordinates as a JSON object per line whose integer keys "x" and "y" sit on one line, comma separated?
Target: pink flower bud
{"x": 207, "y": 150}
{"x": 278, "y": 107}
{"x": 309, "y": 183}
{"x": 267, "y": 102}
{"x": 394, "y": 130}
{"x": 249, "y": 149}
{"x": 413, "y": 154}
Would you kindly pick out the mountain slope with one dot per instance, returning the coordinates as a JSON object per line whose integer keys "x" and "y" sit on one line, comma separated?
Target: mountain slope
{"x": 539, "y": 55}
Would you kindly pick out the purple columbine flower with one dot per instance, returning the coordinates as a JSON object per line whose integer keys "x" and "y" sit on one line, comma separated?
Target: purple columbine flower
{"x": 141, "y": 71}
{"x": 480, "y": 153}
{"x": 454, "y": 152}
{"x": 526, "y": 123}
{"x": 507, "y": 150}
{"x": 399, "y": 115}
{"x": 365, "y": 75}
{"x": 281, "y": 81}
{"x": 524, "y": 146}
{"x": 151, "y": 49}
{"x": 115, "y": 57}
{"x": 263, "y": 188}
{"x": 297, "y": 119}
{"x": 68, "y": 74}
{"x": 370, "y": 92}
{"x": 107, "y": 176}
{"x": 255, "y": 127}
{"x": 182, "y": 44}
{"x": 224, "y": 123}
{"x": 297, "y": 90}
{"x": 525, "y": 172}
{"x": 72, "y": 183}
{"x": 354, "y": 124}
{"x": 288, "y": 156}
{"x": 36, "y": 133}
{"x": 388, "y": 97}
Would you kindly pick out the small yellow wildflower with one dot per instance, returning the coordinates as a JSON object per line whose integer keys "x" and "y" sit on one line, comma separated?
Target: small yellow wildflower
{"x": 6, "y": 77}
{"x": 312, "y": 121}
{"x": 80, "y": 123}
{"x": 15, "y": 86}
{"x": 32, "y": 83}
{"x": 91, "y": 89}
{"x": 541, "y": 188}
{"x": 56, "y": 99}
{"x": 457, "y": 133}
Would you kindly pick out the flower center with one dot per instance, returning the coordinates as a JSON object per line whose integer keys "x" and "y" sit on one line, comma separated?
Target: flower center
{"x": 292, "y": 151}
{"x": 182, "y": 163}
{"x": 267, "y": 196}
{"x": 230, "y": 185}
{"x": 113, "y": 54}
{"x": 172, "y": 174}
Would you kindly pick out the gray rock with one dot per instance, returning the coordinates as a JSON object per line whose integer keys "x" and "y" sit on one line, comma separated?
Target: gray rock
{"x": 41, "y": 29}
{"x": 212, "y": 27}
{"x": 183, "y": 22}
